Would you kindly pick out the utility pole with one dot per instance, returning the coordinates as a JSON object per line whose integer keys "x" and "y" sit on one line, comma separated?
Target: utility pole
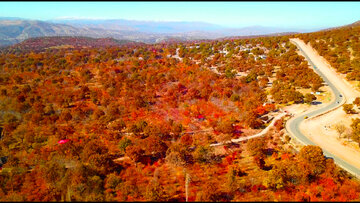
{"x": 187, "y": 181}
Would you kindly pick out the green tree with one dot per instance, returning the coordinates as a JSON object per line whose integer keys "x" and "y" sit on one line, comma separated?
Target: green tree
{"x": 285, "y": 173}
{"x": 155, "y": 191}
{"x": 355, "y": 126}
{"x": 230, "y": 73}
{"x": 252, "y": 76}
{"x": 178, "y": 155}
{"x": 134, "y": 152}
{"x": 234, "y": 181}
{"x": 357, "y": 101}
{"x": 348, "y": 108}
{"x": 225, "y": 126}
{"x": 256, "y": 147}
{"x": 309, "y": 98}
{"x": 124, "y": 142}
{"x": 204, "y": 154}
{"x": 314, "y": 157}
{"x": 209, "y": 193}
{"x": 66, "y": 116}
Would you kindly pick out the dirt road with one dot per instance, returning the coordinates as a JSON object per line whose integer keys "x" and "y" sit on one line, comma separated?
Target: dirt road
{"x": 263, "y": 132}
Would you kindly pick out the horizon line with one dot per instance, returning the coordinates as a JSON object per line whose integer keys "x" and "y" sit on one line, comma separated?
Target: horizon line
{"x": 171, "y": 21}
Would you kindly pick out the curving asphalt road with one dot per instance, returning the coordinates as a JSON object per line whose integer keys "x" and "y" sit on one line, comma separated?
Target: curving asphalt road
{"x": 292, "y": 125}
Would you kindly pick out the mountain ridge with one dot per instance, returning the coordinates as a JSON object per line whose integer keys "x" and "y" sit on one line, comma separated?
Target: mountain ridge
{"x": 14, "y": 30}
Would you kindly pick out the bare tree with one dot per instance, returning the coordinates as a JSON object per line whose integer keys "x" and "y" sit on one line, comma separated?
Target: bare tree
{"x": 348, "y": 134}
{"x": 340, "y": 129}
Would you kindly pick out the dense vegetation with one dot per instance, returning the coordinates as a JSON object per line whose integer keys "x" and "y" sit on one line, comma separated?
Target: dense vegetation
{"x": 135, "y": 123}
{"x": 39, "y": 44}
{"x": 341, "y": 47}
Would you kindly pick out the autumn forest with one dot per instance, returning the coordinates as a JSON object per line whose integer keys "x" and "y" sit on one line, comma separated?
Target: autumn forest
{"x": 92, "y": 120}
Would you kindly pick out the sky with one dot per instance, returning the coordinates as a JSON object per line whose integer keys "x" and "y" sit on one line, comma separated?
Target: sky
{"x": 318, "y": 14}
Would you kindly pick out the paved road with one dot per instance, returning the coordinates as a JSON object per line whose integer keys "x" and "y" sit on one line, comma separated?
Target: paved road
{"x": 292, "y": 125}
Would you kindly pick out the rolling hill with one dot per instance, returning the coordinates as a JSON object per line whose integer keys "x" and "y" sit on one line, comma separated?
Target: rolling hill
{"x": 55, "y": 42}
{"x": 15, "y": 30}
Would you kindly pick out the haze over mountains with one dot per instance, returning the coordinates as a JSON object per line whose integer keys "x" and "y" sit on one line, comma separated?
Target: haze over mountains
{"x": 14, "y": 30}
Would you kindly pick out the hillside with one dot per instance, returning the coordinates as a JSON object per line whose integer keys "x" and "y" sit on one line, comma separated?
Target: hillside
{"x": 175, "y": 29}
{"x": 136, "y": 123}
{"x": 355, "y": 24}
{"x": 340, "y": 46}
{"x": 14, "y": 30}
{"x": 258, "y": 36}
{"x": 141, "y": 26}
{"x": 42, "y": 43}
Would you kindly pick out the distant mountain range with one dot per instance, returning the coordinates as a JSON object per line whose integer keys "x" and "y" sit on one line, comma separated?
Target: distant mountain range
{"x": 15, "y": 30}
{"x": 141, "y": 26}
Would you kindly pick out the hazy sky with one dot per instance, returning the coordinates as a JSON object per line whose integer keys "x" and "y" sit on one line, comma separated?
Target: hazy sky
{"x": 234, "y": 14}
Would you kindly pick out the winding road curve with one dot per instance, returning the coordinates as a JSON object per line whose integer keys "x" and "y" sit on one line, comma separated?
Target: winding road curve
{"x": 292, "y": 126}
